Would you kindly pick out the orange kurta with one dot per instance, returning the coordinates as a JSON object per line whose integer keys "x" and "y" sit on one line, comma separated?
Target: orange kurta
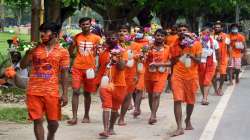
{"x": 84, "y": 60}
{"x": 112, "y": 98}
{"x": 236, "y": 53}
{"x": 86, "y": 45}
{"x": 170, "y": 40}
{"x": 140, "y": 85}
{"x": 130, "y": 72}
{"x": 223, "y": 52}
{"x": 43, "y": 79}
{"x": 155, "y": 81}
{"x": 43, "y": 84}
{"x": 185, "y": 80}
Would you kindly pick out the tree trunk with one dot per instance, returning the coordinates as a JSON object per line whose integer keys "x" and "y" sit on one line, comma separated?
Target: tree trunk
{"x": 168, "y": 19}
{"x": 145, "y": 17}
{"x": 35, "y": 20}
{"x": 52, "y": 11}
{"x": 20, "y": 17}
{"x": 192, "y": 22}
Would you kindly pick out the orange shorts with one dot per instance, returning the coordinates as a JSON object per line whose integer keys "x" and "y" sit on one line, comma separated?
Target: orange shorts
{"x": 79, "y": 77}
{"x": 206, "y": 74}
{"x": 155, "y": 86}
{"x": 184, "y": 90}
{"x": 223, "y": 69}
{"x": 140, "y": 85}
{"x": 130, "y": 82}
{"x": 113, "y": 99}
{"x": 38, "y": 106}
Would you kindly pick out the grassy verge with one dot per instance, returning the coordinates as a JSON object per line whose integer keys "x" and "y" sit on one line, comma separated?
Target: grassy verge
{"x": 14, "y": 114}
{"x": 14, "y": 90}
{"x": 18, "y": 115}
{"x": 5, "y": 36}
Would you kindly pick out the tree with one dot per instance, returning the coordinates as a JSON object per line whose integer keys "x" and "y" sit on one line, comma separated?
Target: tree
{"x": 18, "y": 7}
{"x": 116, "y": 12}
{"x": 211, "y": 10}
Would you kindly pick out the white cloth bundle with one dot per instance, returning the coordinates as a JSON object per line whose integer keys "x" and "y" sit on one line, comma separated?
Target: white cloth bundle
{"x": 239, "y": 45}
{"x": 105, "y": 81}
{"x": 139, "y": 67}
{"x": 130, "y": 63}
{"x": 90, "y": 73}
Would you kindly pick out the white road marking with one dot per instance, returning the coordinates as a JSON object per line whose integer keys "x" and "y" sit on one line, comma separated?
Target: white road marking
{"x": 210, "y": 129}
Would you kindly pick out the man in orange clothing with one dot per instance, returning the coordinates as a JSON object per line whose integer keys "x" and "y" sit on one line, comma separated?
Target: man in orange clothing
{"x": 83, "y": 68}
{"x": 238, "y": 45}
{"x": 208, "y": 63}
{"x": 170, "y": 40}
{"x": 156, "y": 72}
{"x": 48, "y": 60}
{"x": 140, "y": 44}
{"x": 172, "y": 37}
{"x": 113, "y": 92}
{"x": 185, "y": 57}
{"x": 223, "y": 56}
{"x": 130, "y": 70}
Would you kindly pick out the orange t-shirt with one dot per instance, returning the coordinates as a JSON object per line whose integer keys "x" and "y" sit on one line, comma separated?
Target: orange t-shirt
{"x": 104, "y": 59}
{"x": 179, "y": 68}
{"x": 118, "y": 76}
{"x": 131, "y": 72}
{"x": 86, "y": 44}
{"x": 140, "y": 44}
{"x": 158, "y": 56}
{"x": 46, "y": 66}
{"x": 171, "y": 39}
{"x": 223, "y": 52}
{"x": 236, "y": 53}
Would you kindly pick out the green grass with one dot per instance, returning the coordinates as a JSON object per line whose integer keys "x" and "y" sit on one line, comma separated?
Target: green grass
{"x": 5, "y": 36}
{"x": 14, "y": 114}
{"x": 18, "y": 115}
{"x": 14, "y": 90}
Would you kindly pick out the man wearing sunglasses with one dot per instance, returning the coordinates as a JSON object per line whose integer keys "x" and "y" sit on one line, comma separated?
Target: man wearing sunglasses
{"x": 48, "y": 60}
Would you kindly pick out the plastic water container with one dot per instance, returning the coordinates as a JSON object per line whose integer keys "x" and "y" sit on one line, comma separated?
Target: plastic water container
{"x": 139, "y": 67}
{"x": 105, "y": 81}
{"x": 162, "y": 69}
{"x": 130, "y": 63}
{"x": 90, "y": 74}
{"x": 130, "y": 54}
{"x": 239, "y": 45}
{"x": 188, "y": 62}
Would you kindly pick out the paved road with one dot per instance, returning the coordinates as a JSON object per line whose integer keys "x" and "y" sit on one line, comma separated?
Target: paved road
{"x": 233, "y": 124}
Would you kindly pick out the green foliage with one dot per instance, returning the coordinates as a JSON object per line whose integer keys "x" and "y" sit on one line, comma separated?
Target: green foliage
{"x": 74, "y": 3}
{"x": 14, "y": 114}
{"x": 18, "y": 115}
{"x": 13, "y": 90}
